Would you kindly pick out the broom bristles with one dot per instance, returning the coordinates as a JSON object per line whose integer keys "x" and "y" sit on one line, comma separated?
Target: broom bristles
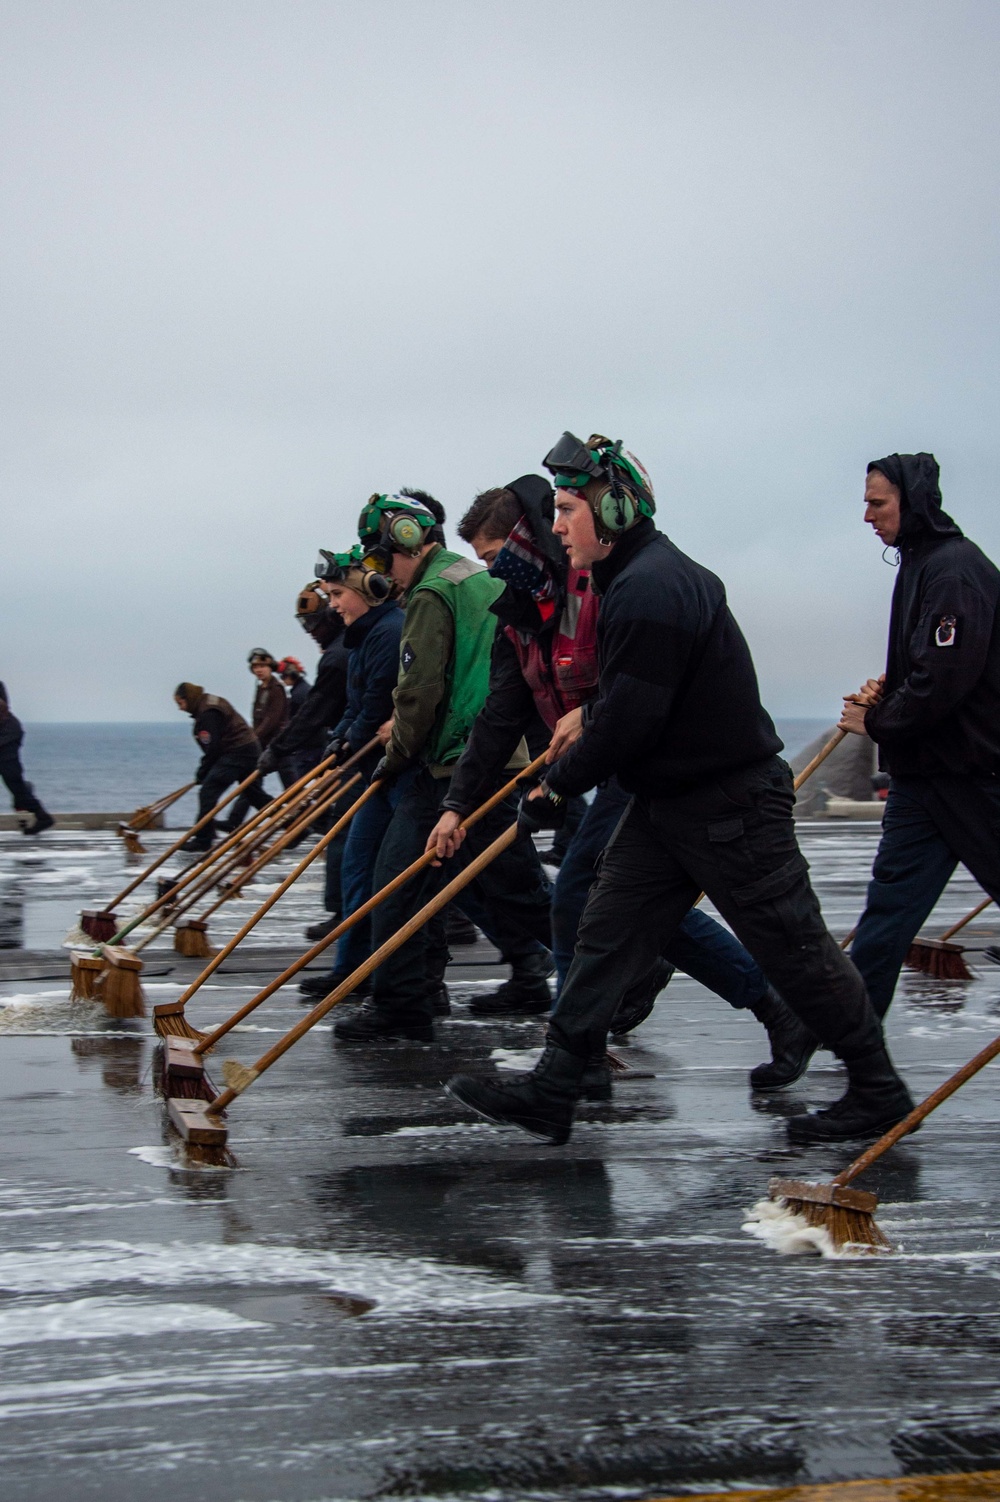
{"x": 84, "y": 970}
{"x": 98, "y": 925}
{"x": 937, "y": 958}
{"x": 119, "y": 986}
{"x": 175, "y": 1025}
{"x": 191, "y": 939}
{"x": 133, "y": 844}
{"x": 845, "y": 1228}
{"x": 181, "y": 1086}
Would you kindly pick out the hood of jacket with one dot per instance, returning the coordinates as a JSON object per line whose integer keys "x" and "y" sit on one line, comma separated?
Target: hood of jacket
{"x": 917, "y": 477}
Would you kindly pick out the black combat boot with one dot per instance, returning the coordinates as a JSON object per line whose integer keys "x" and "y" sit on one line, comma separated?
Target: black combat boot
{"x": 540, "y": 1102}
{"x": 792, "y": 1044}
{"x": 597, "y": 1077}
{"x": 372, "y": 1023}
{"x": 440, "y": 1000}
{"x": 875, "y": 1100}
{"x": 317, "y": 931}
{"x": 640, "y": 999}
{"x": 526, "y": 993}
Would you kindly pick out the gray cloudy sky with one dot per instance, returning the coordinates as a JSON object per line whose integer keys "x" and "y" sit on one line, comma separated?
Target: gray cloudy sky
{"x": 261, "y": 259}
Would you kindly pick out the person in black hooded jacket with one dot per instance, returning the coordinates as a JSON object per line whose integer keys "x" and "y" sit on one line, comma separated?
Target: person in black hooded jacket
{"x": 11, "y": 772}
{"x": 937, "y": 719}
{"x": 678, "y": 720}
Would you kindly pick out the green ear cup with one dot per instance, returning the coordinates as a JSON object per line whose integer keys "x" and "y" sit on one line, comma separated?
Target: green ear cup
{"x": 406, "y": 532}
{"x": 615, "y": 513}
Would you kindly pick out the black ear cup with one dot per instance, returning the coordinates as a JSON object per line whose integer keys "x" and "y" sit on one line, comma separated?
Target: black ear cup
{"x": 375, "y": 587}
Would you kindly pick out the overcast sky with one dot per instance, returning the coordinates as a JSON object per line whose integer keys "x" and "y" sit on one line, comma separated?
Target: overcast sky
{"x": 259, "y": 260}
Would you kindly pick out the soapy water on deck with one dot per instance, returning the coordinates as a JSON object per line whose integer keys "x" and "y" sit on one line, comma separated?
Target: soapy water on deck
{"x": 104, "y": 1318}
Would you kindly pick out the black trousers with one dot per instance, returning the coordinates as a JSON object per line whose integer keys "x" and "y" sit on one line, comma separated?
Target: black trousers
{"x": 20, "y": 790}
{"x": 230, "y": 768}
{"x": 929, "y": 826}
{"x": 509, "y": 900}
{"x": 735, "y": 840}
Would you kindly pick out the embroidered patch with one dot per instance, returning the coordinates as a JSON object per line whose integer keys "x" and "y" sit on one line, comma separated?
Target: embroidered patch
{"x": 946, "y": 633}
{"x": 204, "y": 736}
{"x": 408, "y": 657}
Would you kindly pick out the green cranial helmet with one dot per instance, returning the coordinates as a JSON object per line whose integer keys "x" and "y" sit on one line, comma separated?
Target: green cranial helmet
{"x": 394, "y": 523}
{"x": 623, "y": 494}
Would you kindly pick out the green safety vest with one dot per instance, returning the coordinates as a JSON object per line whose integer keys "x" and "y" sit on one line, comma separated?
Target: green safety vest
{"x": 468, "y": 591}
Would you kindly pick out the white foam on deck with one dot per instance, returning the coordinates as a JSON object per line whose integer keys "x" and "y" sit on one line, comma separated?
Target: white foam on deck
{"x": 105, "y": 1318}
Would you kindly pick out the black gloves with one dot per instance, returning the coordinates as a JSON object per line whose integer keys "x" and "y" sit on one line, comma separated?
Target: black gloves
{"x": 267, "y": 762}
{"x": 545, "y": 812}
{"x": 336, "y": 746}
{"x": 381, "y": 771}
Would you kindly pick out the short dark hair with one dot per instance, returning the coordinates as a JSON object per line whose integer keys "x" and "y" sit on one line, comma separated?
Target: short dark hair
{"x": 494, "y": 512}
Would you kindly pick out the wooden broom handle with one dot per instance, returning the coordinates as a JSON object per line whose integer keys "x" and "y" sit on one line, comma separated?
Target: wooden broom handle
{"x": 918, "y": 1113}
{"x": 279, "y": 892}
{"x": 361, "y": 912}
{"x": 143, "y": 817}
{"x": 950, "y": 932}
{"x": 213, "y": 873}
{"x": 270, "y": 811}
{"x": 819, "y": 758}
{"x": 429, "y": 909}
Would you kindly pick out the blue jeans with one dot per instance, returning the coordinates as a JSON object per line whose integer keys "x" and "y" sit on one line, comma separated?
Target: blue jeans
{"x": 357, "y": 867}
{"x": 928, "y": 827}
{"x": 701, "y": 947}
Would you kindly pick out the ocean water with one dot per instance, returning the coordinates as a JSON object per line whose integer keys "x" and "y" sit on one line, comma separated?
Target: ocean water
{"x": 114, "y": 768}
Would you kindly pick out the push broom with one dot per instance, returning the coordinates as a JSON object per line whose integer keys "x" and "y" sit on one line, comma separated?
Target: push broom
{"x": 143, "y": 817}
{"x": 199, "y": 1122}
{"x": 168, "y": 1017}
{"x": 938, "y": 957}
{"x": 116, "y": 978}
{"x": 848, "y": 1215}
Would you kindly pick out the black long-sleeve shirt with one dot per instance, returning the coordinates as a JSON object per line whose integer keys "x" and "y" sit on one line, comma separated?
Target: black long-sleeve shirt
{"x": 677, "y": 701}
{"x": 322, "y": 709}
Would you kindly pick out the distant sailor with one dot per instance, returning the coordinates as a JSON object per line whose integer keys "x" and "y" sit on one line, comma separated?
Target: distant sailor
{"x": 293, "y": 676}
{"x": 229, "y": 753}
{"x": 678, "y": 719}
{"x": 21, "y": 791}
{"x": 937, "y": 719}
{"x": 269, "y": 717}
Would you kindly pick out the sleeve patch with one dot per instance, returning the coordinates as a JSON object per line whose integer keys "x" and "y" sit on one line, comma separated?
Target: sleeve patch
{"x": 204, "y": 736}
{"x": 408, "y": 657}
{"x": 948, "y": 631}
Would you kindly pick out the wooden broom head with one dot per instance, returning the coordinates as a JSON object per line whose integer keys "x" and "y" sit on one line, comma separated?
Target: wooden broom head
{"x": 98, "y": 924}
{"x": 847, "y": 1215}
{"x": 133, "y": 844}
{"x": 169, "y": 1021}
{"x": 191, "y": 939}
{"x": 119, "y": 987}
{"x": 84, "y": 969}
{"x": 938, "y": 958}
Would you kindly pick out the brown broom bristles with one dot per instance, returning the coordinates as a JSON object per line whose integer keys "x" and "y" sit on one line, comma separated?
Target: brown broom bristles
{"x": 847, "y": 1215}
{"x": 191, "y": 939}
{"x": 133, "y": 844}
{"x": 84, "y": 970}
{"x": 119, "y": 986}
{"x": 937, "y": 958}
{"x": 169, "y": 1021}
{"x": 180, "y": 1086}
{"x": 98, "y": 924}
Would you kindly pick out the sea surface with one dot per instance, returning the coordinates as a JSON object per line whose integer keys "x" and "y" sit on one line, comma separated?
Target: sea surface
{"x": 114, "y": 768}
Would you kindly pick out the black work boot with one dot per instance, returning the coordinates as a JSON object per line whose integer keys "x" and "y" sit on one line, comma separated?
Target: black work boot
{"x": 875, "y": 1100}
{"x": 540, "y": 1102}
{"x": 372, "y": 1023}
{"x": 440, "y": 1000}
{"x": 792, "y": 1044}
{"x": 597, "y": 1077}
{"x": 527, "y": 992}
{"x": 200, "y": 842}
{"x": 640, "y": 999}
{"x": 317, "y": 931}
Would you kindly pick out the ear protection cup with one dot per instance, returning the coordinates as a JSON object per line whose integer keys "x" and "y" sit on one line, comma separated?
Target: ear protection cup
{"x": 615, "y": 510}
{"x": 405, "y": 531}
{"x": 375, "y": 587}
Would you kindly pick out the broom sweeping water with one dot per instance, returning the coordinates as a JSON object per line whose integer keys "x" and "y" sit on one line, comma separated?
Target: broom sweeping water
{"x": 847, "y": 1216}
{"x": 165, "y": 1015}
{"x": 939, "y": 958}
{"x": 143, "y": 817}
{"x": 201, "y": 1123}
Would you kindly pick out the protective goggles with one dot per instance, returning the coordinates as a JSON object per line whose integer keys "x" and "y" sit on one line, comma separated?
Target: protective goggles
{"x": 572, "y": 463}
{"x": 333, "y": 568}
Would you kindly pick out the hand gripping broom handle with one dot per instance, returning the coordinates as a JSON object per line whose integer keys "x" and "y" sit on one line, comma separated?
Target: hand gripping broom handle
{"x": 279, "y": 892}
{"x": 215, "y": 872}
{"x": 360, "y": 912}
{"x": 247, "y": 1076}
{"x": 269, "y": 811}
{"x": 918, "y": 1113}
{"x": 143, "y": 817}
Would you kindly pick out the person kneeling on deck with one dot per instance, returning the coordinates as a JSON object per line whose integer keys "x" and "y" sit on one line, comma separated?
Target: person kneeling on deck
{"x": 229, "y": 752}
{"x": 678, "y": 719}
{"x": 936, "y": 721}
{"x": 443, "y": 678}
{"x": 545, "y": 659}
{"x": 365, "y": 601}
